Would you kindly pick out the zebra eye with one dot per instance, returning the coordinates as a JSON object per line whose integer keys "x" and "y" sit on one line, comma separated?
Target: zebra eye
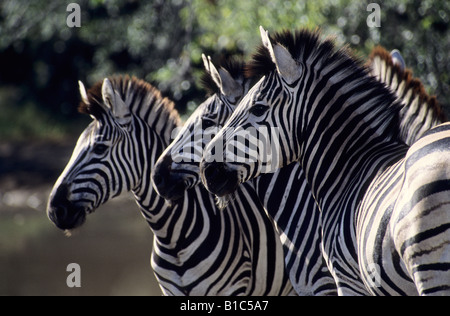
{"x": 100, "y": 149}
{"x": 207, "y": 123}
{"x": 259, "y": 109}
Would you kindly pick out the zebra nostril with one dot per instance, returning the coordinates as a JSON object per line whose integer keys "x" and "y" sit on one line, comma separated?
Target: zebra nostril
{"x": 60, "y": 196}
{"x": 214, "y": 170}
{"x": 209, "y": 171}
{"x": 62, "y": 211}
{"x": 66, "y": 215}
{"x": 158, "y": 180}
{"x": 57, "y": 214}
{"x": 161, "y": 173}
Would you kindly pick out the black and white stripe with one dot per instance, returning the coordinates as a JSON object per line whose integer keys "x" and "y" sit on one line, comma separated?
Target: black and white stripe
{"x": 419, "y": 112}
{"x": 385, "y": 225}
{"x": 197, "y": 249}
{"x": 296, "y": 215}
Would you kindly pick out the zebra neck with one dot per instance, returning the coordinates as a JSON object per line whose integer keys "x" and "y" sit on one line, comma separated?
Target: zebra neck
{"x": 180, "y": 227}
{"x": 166, "y": 220}
{"x": 349, "y": 133}
{"x": 150, "y": 141}
{"x": 149, "y": 202}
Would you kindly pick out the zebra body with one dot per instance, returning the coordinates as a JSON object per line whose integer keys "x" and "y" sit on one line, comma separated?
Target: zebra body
{"x": 197, "y": 249}
{"x": 419, "y": 219}
{"x": 285, "y": 193}
{"x": 299, "y": 227}
{"x": 343, "y": 128}
{"x": 415, "y": 221}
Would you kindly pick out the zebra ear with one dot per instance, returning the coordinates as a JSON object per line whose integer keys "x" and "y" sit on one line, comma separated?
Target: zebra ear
{"x": 212, "y": 70}
{"x": 397, "y": 59}
{"x": 230, "y": 88}
{"x": 222, "y": 78}
{"x": 114, "y": 102}
{"x": 286, "y": 65}
{"x": 83, "y": 93}
{"x": 206, "y": 63}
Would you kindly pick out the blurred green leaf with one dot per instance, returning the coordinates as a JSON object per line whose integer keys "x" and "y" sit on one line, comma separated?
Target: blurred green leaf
{"x": 162, "y": 41}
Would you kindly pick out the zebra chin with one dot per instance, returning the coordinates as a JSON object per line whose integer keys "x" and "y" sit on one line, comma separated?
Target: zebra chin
{"x": 218, "y": 179}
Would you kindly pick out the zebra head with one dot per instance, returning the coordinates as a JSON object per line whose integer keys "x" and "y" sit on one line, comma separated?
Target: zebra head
{"x": 177, "y": 169}
{"x": 249, "y": 144}
{"x": 104, "y": 162}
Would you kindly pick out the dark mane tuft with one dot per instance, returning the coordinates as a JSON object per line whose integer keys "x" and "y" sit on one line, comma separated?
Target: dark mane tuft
{"x": 144, "y": 100}
{"x": 94, "y": 107}
{"x": 406, "y": 76}
{"x": 235, "y": 66}
{"x": 299, "y": 43}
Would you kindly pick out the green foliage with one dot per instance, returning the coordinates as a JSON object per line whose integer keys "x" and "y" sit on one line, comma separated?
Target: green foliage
{"x": 419, "y": 29}
{"x": 162, "y": 41}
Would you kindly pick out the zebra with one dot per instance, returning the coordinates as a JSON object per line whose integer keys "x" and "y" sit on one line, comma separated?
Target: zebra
{"x": 300, "y": 231}
{"x": 385, "y": 225}
{"x": 197, "y": 249}
{"x": 419, "y": 111}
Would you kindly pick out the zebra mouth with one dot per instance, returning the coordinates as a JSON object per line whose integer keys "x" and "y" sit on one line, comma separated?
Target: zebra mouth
{"x": 63, "y": 212}
{"x": 67, "y": 217}
{"x": 218, "y": 180}
{"x": 222, "y": 189}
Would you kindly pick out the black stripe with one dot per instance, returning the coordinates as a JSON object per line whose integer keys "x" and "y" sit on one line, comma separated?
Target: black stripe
{"x": 417, "y": 239}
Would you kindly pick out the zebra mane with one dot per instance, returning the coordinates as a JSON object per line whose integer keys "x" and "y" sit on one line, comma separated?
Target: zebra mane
{"x": 146, "y": 102}
{"x": 412, "y": 88}
{"x": 300, "y": 44}
{"x": 235, "y": 66}
{"x": 307, "y": 47}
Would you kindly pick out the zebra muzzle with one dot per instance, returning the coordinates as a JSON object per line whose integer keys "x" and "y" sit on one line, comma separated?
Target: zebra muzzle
{"x": 167, "y": 184}
{"x": 217, "y": 179}
{"x": 62, "y": 212}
